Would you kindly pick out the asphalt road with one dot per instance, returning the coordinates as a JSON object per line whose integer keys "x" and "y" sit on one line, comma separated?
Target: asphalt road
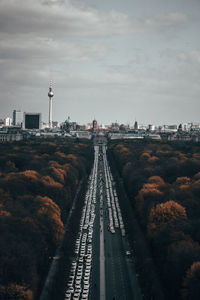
{"x": 120, "y": 278}
{"x": 112, "y": 275}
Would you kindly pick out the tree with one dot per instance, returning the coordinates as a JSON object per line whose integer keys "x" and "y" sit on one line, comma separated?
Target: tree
{"x": 15, "y": 291}
{"x": 191, "y": 283}
{"x": 181, "y": 255}
{"x": 164, "y": 213}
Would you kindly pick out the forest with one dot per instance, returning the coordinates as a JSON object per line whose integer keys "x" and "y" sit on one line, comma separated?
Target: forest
{"x": 162, "y": 181}
{"x": 38, "y": 182}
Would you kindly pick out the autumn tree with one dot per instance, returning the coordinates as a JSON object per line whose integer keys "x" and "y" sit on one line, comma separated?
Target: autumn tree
{"x": 191, "y": 286}
{"x": 164, "y": 213}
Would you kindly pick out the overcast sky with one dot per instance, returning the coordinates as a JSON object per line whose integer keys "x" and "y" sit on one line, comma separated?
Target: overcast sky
{"x": 121, "y": 60}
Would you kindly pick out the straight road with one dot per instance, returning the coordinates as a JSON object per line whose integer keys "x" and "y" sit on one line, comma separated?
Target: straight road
{"x": 102, "y": 233}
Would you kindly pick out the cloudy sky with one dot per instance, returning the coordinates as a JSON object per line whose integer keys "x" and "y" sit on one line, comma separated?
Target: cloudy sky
{"x": 121, "y": 60}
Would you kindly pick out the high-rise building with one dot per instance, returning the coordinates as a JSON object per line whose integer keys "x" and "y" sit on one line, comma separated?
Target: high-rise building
{"x": 8, "y": 121}
{"x": 32, "y": 121}
{"x": 136, "y": 125}
{"x": 18, "y": 116}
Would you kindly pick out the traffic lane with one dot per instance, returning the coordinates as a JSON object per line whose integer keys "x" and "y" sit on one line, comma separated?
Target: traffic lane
{"x": 95, "y": 275}
{"x": 117, "y": 279}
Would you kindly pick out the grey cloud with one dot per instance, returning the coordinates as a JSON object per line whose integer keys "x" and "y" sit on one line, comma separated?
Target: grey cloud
{"x": 60, "y": 18}
{"x": 70, "y": 38}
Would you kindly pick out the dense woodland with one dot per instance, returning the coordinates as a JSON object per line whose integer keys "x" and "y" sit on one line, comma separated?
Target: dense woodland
{"x": 162, "y": 181}
{"x": 38, "y": 181}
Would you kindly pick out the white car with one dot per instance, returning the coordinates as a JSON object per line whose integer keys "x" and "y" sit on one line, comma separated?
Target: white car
{"x": 76, "y": 296}
{"x": 86, "y": 286}
{"x": 70, "y": 289}
{"x": 86, "y": 282}
{"x": 69, "y": 284}
{"x": 84, "y": 296}
{"x": 87, "y": 277}
{"x": 78, "y": 282}
{"x": 78, "y": 290}
{"x": 68, "y": 294}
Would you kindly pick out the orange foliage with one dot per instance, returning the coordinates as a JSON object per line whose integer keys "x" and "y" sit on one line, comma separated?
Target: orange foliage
{"x": 15, "y": 291}
{"x": 55, "y": 164}
{"x": 153, "y": 159}
{"x": 163, "y": 153}
{"x": 183, "y": 180}
{"x": 46, "y": 203}
{"x": 4, "y": 213}
{"x": 196, "y": 156}
{"x": 184, "y": 186}
{"x": 58, "y": 173}
{"x": 148, "y": 191}
{"x": 156, "y": 179}
{"x": 52, "y": 211}
{"x": 122, "y": 149}
{"x": 191, "y": 286}
{"x": 61, "y": 154}
{"x": 49, "y": 181}
{"x": 187, "y": 243}
{"x": 197, "y": 176}
{"x": 164, "y": 213}
{"x": 30, "y": 174}
{"x": 181, "y": 155}
{"x": 149, "y": 187}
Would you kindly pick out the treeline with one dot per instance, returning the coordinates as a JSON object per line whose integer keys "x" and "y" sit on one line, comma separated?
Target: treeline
{"x": 162, "y": 180}
{"x": 38, "y": 181}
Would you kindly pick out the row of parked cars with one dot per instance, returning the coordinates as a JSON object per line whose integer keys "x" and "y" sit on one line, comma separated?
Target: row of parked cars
{"x": 78, "y": 285}
{"x": 114, "y": 212}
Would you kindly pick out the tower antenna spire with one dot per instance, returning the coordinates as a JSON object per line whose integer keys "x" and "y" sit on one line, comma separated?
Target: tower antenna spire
{"x": 50, "y": 95}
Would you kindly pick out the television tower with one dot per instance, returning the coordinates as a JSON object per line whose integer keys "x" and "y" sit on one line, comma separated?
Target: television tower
{"x": 50, "y": 94}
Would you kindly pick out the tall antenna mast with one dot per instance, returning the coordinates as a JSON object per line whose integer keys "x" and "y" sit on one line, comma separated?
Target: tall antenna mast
{"x": 50, "y": 95}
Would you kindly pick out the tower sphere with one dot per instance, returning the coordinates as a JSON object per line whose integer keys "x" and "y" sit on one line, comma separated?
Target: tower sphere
{"x": 50, "y": 93}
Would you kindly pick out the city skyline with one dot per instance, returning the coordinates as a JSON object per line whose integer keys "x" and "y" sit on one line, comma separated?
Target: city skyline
{"x": 115, "y": 61}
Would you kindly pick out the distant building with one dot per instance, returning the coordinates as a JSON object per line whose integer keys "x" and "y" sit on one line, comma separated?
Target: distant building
{"x": 153, "y": 136}
{"x": 94, "y": 125}
{"x": 142, "y": 127}
{"x": 195, "y": 126}
{"x": 82, "y": 134}
{"x": 122, "y": 127}
{"x": 8, "y": 134}
{"x": 55, "y": 124}
{"x": 168, "y": 128}
{"x": 32, "y": 121}
{"x": 151, "y": 127}
{"x": 136, "y": 125}
{"x": 120, "y": 135}
{"x": 8, "y": 121}
{"x": 1, "y": 122}
{"x": 18, "y": 116}
{"x": 184, "y": 127}
{"x": 115, "y": 127}
{"x": 68, "y": 125}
